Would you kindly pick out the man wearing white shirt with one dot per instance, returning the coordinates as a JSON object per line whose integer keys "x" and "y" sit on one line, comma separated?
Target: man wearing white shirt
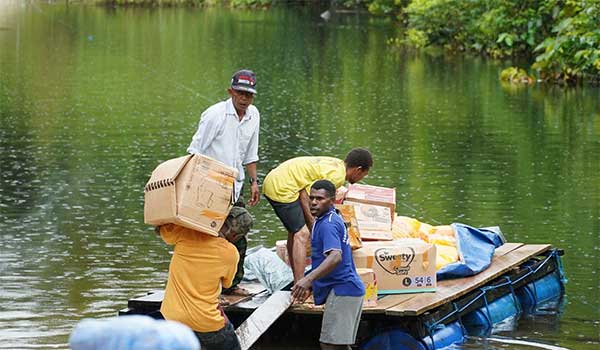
{"x": 228, "y": 132}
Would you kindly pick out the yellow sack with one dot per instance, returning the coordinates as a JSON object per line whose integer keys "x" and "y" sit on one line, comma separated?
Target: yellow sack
{"x": 442, "y": 236}
{"x": 445, "y": 255}
{"x": 405, "y": 227}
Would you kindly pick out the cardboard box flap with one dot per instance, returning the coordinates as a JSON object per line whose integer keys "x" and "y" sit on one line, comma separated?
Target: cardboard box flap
{"x": 372, "y": 193}
{"x": 166, "y": 173}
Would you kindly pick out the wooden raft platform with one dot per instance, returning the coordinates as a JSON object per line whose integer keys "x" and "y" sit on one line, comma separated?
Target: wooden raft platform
{"x": 409, "y": 311}
{"x": 506, "y": 257}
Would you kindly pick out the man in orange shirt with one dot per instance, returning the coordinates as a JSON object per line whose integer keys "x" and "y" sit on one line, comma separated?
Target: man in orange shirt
{"x": 200, "y": 267}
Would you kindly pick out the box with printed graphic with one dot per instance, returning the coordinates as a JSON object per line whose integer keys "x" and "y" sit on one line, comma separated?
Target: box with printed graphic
{"x": 193, "y": 191}
{"x": 369, "y": 280}
{"x": 373, "y": 221}
{"x": 374, "y": 195}
{"x": 400, "y": 267}
{"x": 349, "y": 216}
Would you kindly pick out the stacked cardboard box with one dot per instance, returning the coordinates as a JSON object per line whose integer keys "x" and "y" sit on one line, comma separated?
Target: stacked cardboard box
{"x": 370, "y": 282}
{"x": 401, "y": 266}
{"x": 348, "y": 214}
{"x": 374, "y": 222}
{"x": 373, "y": 195}
{"x": 374, "y": 210}
{"x": 282, "y": 252}
{"x": 193, "y": 191}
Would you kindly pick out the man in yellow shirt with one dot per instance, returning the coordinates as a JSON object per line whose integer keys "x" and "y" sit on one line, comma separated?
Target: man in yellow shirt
{"x": 286, "y": 186}
{"x": 200, "y": 267}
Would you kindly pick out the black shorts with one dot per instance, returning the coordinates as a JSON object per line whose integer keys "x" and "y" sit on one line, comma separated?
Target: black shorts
{"x": 290, "y": 214}
{"x": 223, "y": 339}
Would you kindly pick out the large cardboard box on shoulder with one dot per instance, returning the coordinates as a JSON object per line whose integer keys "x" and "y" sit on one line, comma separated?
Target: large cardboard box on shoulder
{"x": 193, "y": 191}
{"x": 375, "y": 195}
{"x": 400, "y": 266}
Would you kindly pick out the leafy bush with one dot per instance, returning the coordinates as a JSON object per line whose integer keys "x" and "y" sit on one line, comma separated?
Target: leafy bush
{"x": 515, "y": 75}
{"x": 444, "y": 22}
{"x": 495, "y": 27}
{"x": 251, "y": 3}
{"x": 573, "y": 50}
{"x": 565, "y": 34}
{"x": 382, "y": 7}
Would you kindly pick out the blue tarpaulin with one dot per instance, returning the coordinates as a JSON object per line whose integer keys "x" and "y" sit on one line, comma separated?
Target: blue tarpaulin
{"x": 475, "y": 248}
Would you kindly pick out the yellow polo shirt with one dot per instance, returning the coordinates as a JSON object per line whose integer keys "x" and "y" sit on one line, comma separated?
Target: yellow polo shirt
{"x": 200, "y": 265}
{"x": 284, "y": 183}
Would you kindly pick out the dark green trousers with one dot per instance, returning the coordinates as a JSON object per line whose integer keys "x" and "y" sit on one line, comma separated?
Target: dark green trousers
{"x": 241, "y": 246}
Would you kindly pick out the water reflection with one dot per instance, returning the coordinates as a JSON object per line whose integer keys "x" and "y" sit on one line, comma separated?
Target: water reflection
{"x": 92, "y": 99}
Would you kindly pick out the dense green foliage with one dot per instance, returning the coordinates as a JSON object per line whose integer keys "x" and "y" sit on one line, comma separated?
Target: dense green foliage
{"x": 154, "y": 2}
{"x": 574, "y": 46}
{"x": 233, "y": 3}
{"x": 562, "y": 35}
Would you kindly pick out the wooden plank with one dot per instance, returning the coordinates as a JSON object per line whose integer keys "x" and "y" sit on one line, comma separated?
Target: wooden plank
{"x": 307, "y": 308}
{"x": 147, "y": 302}
{"x": 154, "y": 298}
{"x": 387, "y": 302}
{"x": 262, "y": 318}
{"x": 506, "y": 248}
{"x": 451, "y": 289}
{"x": 252, "y": 288}
{"x": 383, "y": 304}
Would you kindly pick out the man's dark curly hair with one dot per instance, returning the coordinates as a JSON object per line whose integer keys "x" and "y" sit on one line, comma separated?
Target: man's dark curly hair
{"x": 326, "y": 185}
{"x": 359, "y": 157}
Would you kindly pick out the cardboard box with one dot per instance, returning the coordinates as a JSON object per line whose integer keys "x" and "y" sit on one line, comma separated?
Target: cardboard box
{"x": 193, "y": 191}
{"x": 282, "y": 252}
{"x": 369, "y": 279}
{"x": 400, "y": 266}
{"x": 375, "y": 195}
{"x": 347, "y": 213}
{"x": 374, "y": 222}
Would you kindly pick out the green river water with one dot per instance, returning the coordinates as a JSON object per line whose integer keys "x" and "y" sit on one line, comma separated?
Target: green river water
{"x": 92, "y": 99}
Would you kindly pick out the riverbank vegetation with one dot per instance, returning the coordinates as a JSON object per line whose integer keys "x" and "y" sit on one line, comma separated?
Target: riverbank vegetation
{"x": 196, "y": 3}
{"x": 559, "y": 38}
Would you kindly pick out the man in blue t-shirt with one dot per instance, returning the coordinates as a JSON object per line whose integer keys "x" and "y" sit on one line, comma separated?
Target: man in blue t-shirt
{"x": 333, "y": 277}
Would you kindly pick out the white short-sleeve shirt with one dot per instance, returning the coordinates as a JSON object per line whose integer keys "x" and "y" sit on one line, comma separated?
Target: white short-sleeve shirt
{"x": 222, "y": 136}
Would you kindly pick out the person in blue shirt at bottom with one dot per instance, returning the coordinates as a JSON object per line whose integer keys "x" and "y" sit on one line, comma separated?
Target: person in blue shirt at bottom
{"x": 333, "y": 277}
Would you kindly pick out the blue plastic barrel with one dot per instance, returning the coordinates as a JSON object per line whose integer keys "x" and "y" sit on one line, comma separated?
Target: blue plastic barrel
{"x": 452, "y": 333}
{"x": 398, "y": 339}
{"x": 484, "y": 318}
{"x": 536, "y": 293}
{"x": 395, "y": 339}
